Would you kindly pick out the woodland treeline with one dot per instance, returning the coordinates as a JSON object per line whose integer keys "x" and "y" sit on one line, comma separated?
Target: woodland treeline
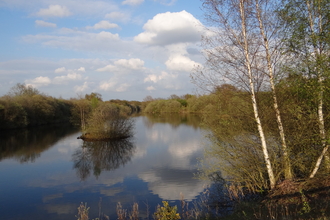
{"x": 25, "y": 106}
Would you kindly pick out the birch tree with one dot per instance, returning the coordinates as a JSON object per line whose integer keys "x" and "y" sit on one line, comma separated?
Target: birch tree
{"x": 232, "y": 50}
{"x": 308, "y": 24}
{"x": 269, "y": 28}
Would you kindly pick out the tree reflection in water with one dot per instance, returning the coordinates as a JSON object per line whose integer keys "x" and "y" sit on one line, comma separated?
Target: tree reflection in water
{"x": 101, "y": 155}
{"x": 26, "y": 145}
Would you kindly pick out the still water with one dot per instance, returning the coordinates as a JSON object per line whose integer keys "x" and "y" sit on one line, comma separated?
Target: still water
{"x": 47, "y": 172}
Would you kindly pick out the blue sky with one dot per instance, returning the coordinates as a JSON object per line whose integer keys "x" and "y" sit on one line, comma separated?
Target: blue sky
{"x": 124, "y": 49}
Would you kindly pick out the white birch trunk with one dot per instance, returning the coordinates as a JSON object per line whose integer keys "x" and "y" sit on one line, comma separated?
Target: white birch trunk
{"x": 325, "y": 146}
{"x": 317, "y": 55}
{"x": 286, "y": 160}
{"x": 253, "y": 97}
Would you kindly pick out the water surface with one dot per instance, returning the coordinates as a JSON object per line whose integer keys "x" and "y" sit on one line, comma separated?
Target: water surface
{"x": 47, "y": 172}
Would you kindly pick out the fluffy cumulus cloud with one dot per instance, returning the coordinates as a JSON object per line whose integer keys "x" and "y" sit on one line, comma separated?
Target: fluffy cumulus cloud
{"x": 41, "y": 23}
{"x": 170, "y": 28}
{"x": 66, "y": 78}
{"x": 114, "y": 84}
{"x": 108, "y": 85}
{"x": 103, "y": 25}
{"x": 134, "y": 64}
{"x": 54, "y": 11}
{"x": 163, "y": 76}
{"x": 81, "y": 88}
{"x": 123, "y": 87}
{"x": 60, "y": 70}
{"x": 125, "y": 73}
{"x": 122, "y": 64}
{"x": 132, "y": 2}
{"x": 69, "y": 75}
{"x": 38, "y": 81}
{"x": 180, "y": 63}
{"x": 82, "y": 69}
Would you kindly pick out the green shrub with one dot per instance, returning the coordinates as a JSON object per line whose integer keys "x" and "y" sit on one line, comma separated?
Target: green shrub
{"x": 166, "y": 212}
{"x": 107, "y": 122}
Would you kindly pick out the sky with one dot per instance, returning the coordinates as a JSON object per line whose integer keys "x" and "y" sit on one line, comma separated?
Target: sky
{"x": 122, "y": 49}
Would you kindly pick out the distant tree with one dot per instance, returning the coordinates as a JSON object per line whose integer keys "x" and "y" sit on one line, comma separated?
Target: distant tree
{"x": 173, "y": 96}
{"x": 94, "y": 95}
{"x": 224, "y": 88}
{"x": 23, "y": 89}
{"x": 148, "y": 99}
{"x": 186, "y": 96}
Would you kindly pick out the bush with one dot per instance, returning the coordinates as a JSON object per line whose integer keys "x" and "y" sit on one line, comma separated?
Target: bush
{"x": 167, "y": 212}
{"x": 106, "y": 122}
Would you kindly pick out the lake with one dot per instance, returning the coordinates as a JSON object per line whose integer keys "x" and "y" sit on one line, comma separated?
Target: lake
{"x": 47, "y": 172}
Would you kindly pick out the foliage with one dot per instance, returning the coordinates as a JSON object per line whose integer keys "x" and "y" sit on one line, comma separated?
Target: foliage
{"x": 108, "y": 122}
{"x": 166, "y": 212}
{"x": 169, "y": 106}
{"x": 21, "y": 89}
{"x": 254, "y": 41}
{"x": 234, "y": 149}
{"x": 26, "y": 106}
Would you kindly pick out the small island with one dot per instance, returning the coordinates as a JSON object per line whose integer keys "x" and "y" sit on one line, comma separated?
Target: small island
{"x": 107, "y": 122}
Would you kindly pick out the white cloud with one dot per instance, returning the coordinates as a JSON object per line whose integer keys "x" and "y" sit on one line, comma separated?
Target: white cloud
{"x": 107, "y": 68}
{"x": 132, "y": 2}
{"x": 81, "y": 88}
{"x": 171, "y": 28}
{"x": 68, "y": 77}
{"x": 131, "y": 63}
{"x": 78, "y": 40}
{"x": 118, "y": 16}
{"x": 45, "y": 24}
{"x": 107, "y": 85}
{"x": 60, "y": 70}
{"x": 82, "y": 69}
{"x": 54, "y": 11}
{"x": 123, "y": 87}
{"x": 104, "y": 35}
{"x": 103, "y": 25}
{"x": 113, "y": 84}
{"x": 38, "y": 81}
{"x": 150, "y": 88}
{"x": 151, "y": 78}
{"x": 163, "y": 76}
{"x": 180, "y": 63}
{"x": 80, "y": 8}
{"x": 122, "y": 65}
